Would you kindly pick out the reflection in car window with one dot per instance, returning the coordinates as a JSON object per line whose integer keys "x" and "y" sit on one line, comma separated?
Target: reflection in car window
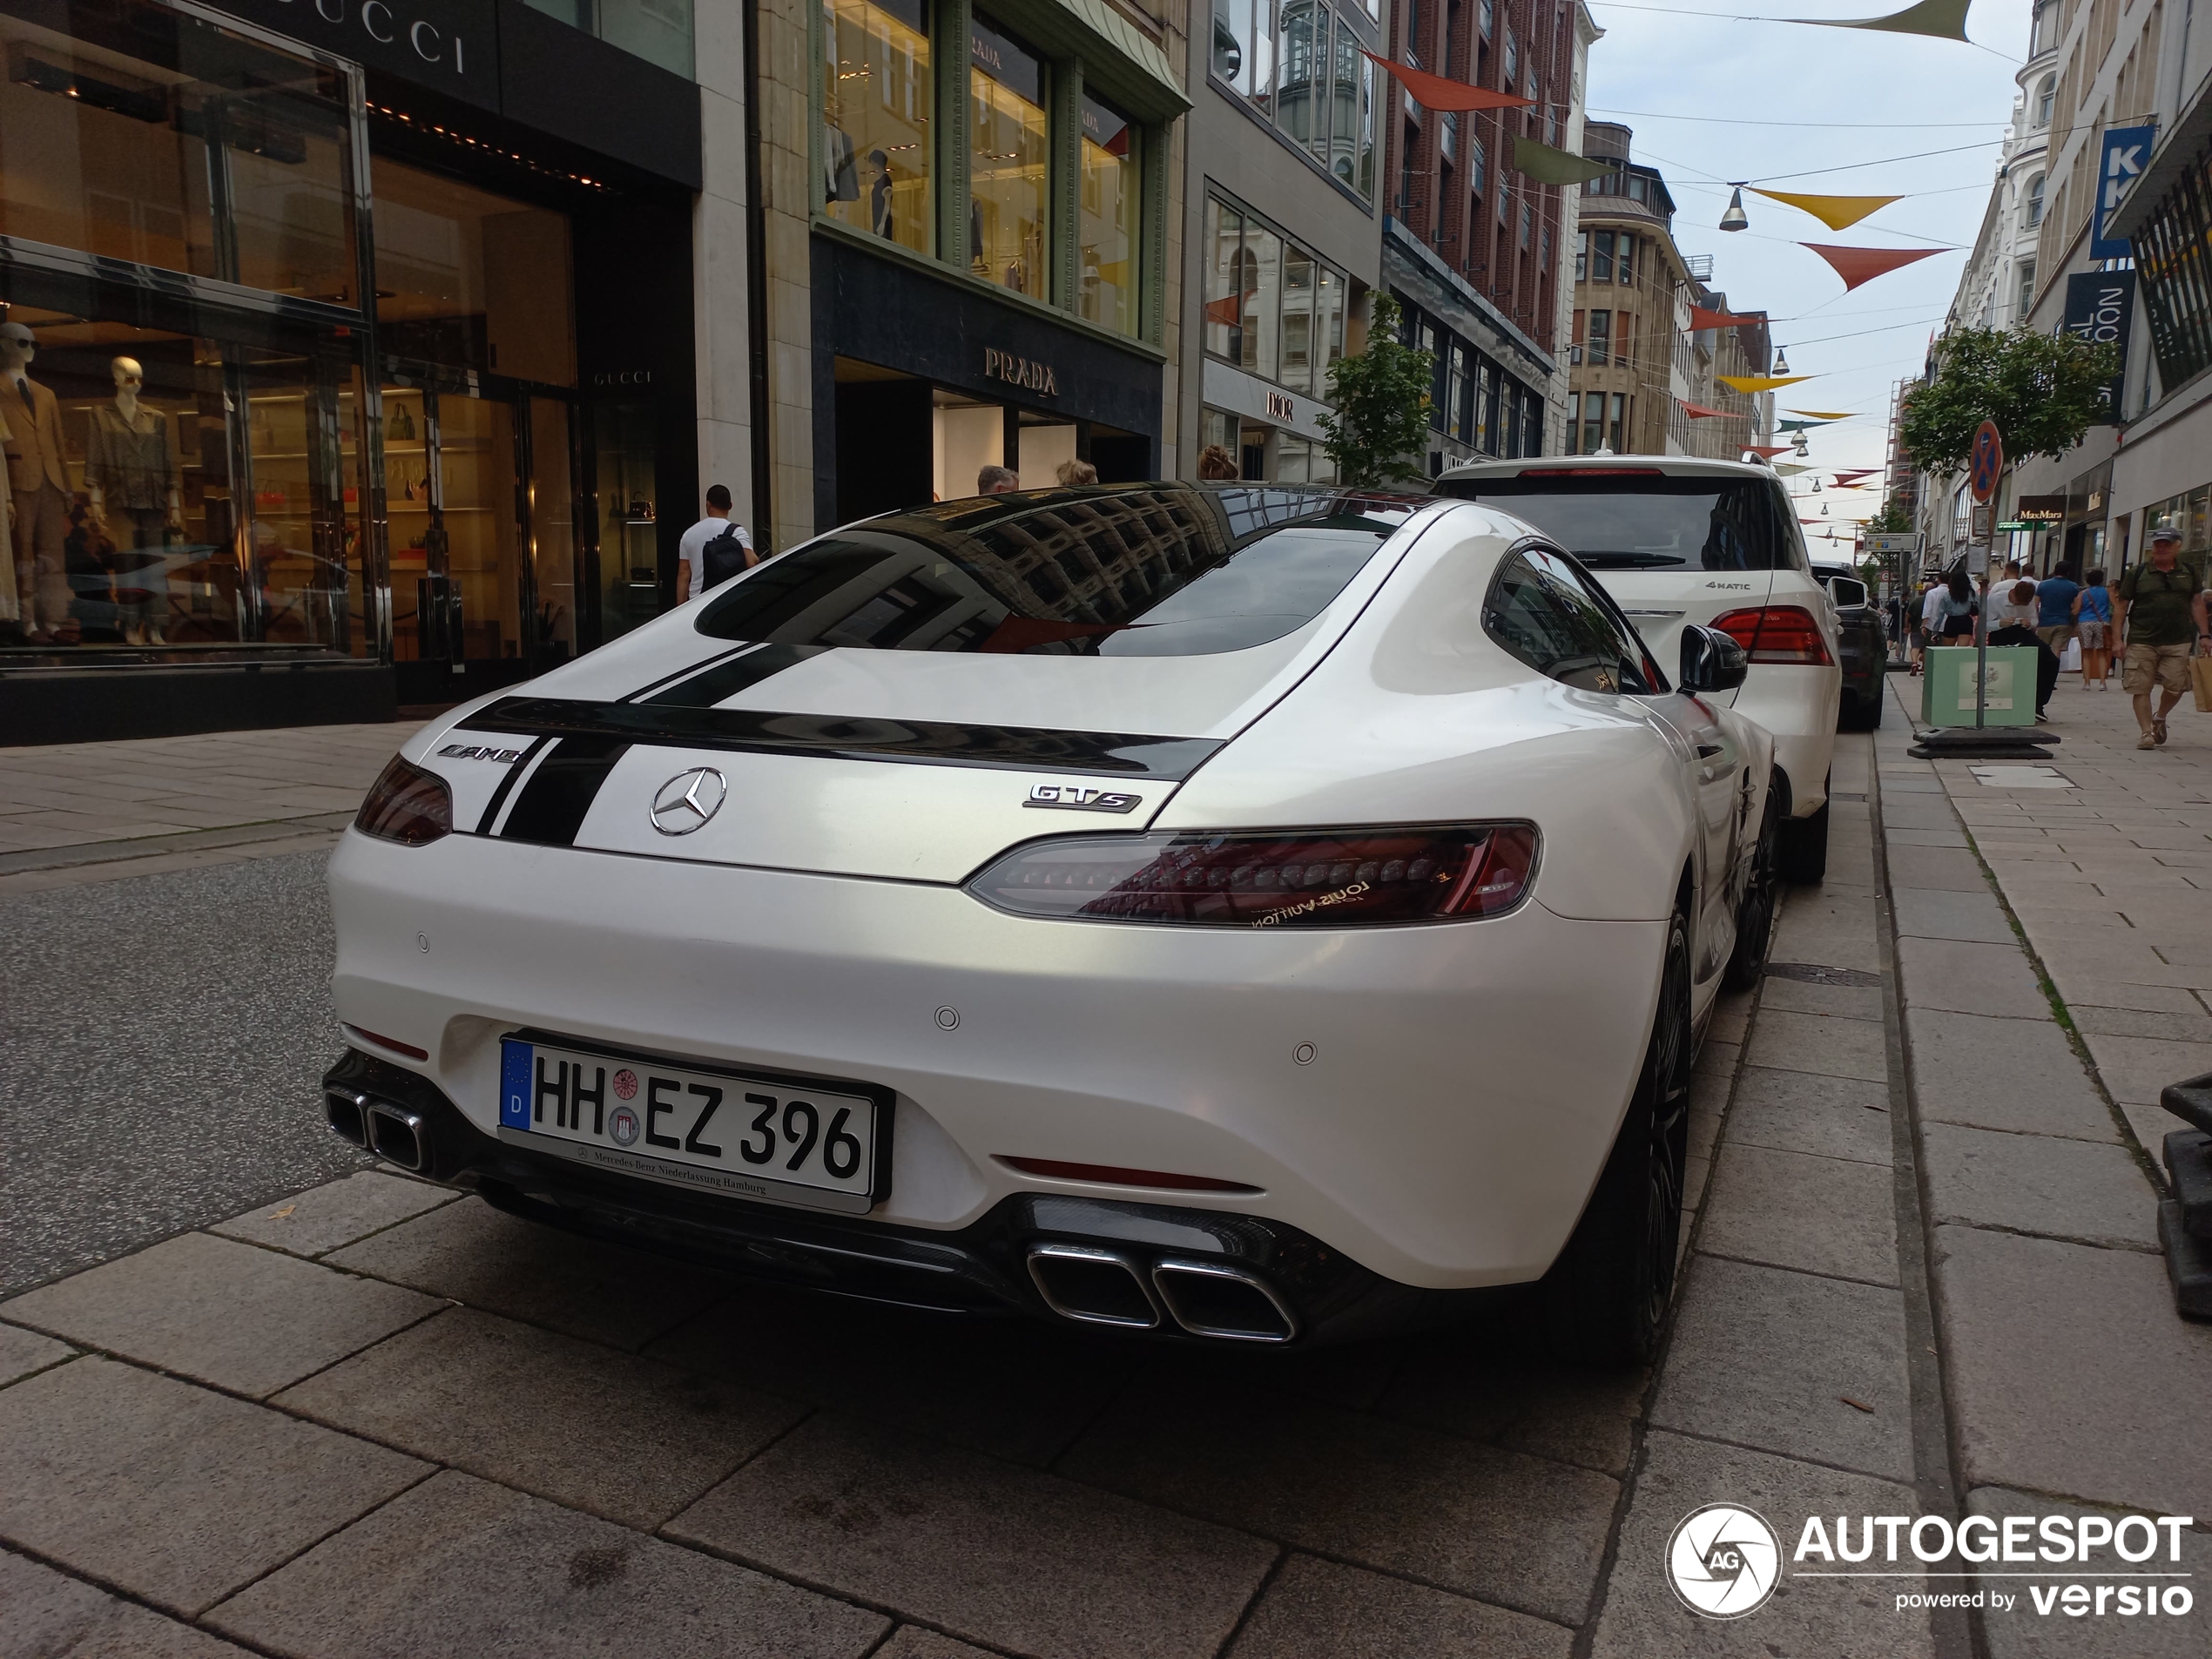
{"x": 1162, "y": 571}
{"x": 1647, "y": 521}
{"x": 1539, "y": 609}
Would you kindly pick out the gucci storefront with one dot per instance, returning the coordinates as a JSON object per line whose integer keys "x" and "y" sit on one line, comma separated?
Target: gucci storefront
{"x": 336, "y": 375}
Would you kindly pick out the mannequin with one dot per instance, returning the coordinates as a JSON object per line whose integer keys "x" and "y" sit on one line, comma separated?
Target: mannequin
{"x": 38, "y": 487}
{"x": 129, "y": 469}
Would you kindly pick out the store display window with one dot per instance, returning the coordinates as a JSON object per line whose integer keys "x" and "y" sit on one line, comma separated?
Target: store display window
{"x": 1009, "y": 158}
{"x": 1112, "y": 192}
{"x": 877, "y": 94}
{"x": 1271, "y": 307}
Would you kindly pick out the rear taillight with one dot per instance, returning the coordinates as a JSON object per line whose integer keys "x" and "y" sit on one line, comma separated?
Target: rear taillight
{"x": 1777, "y": 634}
{"x": 1285, "y": 878}
{"x": 407, "y": 805}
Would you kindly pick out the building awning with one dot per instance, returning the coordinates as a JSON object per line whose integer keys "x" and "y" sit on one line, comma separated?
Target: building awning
{"x": 2183, "y": 144}
{"x": 1119, "y": 58}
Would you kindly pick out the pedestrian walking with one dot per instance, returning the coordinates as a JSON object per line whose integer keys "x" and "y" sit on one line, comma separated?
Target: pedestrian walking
{"x": 1926, "y": 622}
{"x": 712, "y": 550}
{"x": 2159, "y": 616}
{"x": 996, "y": 481}
{"x": 2092, "y": 626}
{"x": 2054, "y": 597}
{"x": 1951, "y": 610}
{"x": 1216, "y": 465}
{"x": 1071, "y": 473}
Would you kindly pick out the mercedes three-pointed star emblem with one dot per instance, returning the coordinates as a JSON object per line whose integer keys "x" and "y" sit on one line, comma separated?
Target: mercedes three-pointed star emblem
{"x": 688, "y": 799}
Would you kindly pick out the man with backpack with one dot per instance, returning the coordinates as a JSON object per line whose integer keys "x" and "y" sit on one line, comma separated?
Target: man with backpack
{"x": 714, "y": 549}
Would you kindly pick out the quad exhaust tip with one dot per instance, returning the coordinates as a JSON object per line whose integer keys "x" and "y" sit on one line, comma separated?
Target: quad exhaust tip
{"x": 1206, "y": 1298}
{"x": 1215, "y": 1299}
{"x": 391, "y": 1131}
{"x": 1096, "y": 1287}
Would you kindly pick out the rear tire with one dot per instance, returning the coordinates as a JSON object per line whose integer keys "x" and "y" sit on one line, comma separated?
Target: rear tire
{"x": 1804, "y": 848}
{"x": 1755, "y": 913}
{"x": 1605, "y": 1298}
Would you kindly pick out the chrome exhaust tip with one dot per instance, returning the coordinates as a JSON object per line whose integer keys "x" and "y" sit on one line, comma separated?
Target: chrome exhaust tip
{"x": 347, "y": 1114}
{"x": 1215, "y": 1299}
{"x": 1096, "y": 1287}
{"x": 398, "y": 1135}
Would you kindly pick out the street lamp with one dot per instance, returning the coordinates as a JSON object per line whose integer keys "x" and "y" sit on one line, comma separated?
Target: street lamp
{"x": 1735, "y": 219}
{"x": 1781, "y": 362}
{"x": 1799, "y": 444}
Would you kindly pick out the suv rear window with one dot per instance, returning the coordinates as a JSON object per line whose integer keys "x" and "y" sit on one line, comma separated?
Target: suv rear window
{"x": 1647, "y": 522}
{"x": 1151, "y": 572}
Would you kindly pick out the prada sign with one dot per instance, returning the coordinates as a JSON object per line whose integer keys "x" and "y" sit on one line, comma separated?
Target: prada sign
{"x": 1029, "y": 375}
{"x": 452, "y": 45}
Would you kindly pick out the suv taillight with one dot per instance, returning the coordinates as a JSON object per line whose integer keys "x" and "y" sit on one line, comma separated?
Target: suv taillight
{"x": 407, "y": 805}
{"x": 1777, "y": 634}
{"x": 1279, "y": 879}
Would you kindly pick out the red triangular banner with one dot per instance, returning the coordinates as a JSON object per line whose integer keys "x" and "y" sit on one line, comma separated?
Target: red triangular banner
{"x": 1767, "y": 451}
{"x": 1856, "y": 473}
{"x": 1228, "y": 312}
{"x": 1701, "y": 320}
{"x": 1699, "y": 412}
{"x": 1441, "y": 92}
{"x": 1858, "y": 265}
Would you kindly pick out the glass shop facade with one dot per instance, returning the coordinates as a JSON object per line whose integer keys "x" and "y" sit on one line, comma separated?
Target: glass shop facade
{"x": 301, "y": 424}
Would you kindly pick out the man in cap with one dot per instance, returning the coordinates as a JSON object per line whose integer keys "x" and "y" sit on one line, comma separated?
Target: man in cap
{"x": 2159, "y": 609}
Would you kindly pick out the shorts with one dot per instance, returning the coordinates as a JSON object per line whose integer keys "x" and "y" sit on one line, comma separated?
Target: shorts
{"x": 2168, "y": 665}
{"x": 2092, "y": 633}
{"x": 2055, "y": 635}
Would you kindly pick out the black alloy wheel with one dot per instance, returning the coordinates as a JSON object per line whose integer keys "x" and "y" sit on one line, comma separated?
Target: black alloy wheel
{"x": 1755, "y": 913}
{"x": 1605, "y": 1298}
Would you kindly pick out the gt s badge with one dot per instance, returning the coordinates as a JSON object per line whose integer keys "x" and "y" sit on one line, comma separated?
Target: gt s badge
{"x": 1074, "y": 798}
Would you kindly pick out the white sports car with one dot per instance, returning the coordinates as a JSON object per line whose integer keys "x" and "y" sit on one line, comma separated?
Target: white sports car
{"x": 1237, "y": 914}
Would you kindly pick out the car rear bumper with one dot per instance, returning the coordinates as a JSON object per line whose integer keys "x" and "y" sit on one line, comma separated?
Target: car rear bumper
{"x": 1433, "y": 1102}
{"x": 1800, "y": 706}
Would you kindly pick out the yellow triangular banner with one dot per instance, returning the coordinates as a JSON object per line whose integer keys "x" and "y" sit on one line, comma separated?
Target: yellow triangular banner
{"x": 1826, "y": 414}
{"x": 1937, "y": 19}
{"x": 1751, "y": 383}
{"x": 1837, "y": 212}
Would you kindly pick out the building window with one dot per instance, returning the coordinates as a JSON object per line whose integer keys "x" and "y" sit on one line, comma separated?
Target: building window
{"x": 877, "y": 92}
{"x": 1600, "y": 256}
{"x": 2026, "y": 298}
{"x": 1303, "y": 68}
{"x": 1544, "y": 250}
{"x": 1010, "y": 157}
{"x": 1624, "y": 267}
{"x": 2032, "y": 208}
{"x": 1512, "y": 59}
{"x": 1478, "y": 162}
{"x": 1527, "y": 223}
{"x": 1483, "y": 12}
{"x": 2047, "y": 93}
{"x": 1112, "y": 188}
{"x": 1600, "y": 338}
{"x": 1582, "y": 258}
{"x": 2177, "y": 287}
{"x": 1456, "y": 395}
{"x": 1449, "y": 139}
{"x": 1271, "y": 307}
{"x": 1616, "y": 424}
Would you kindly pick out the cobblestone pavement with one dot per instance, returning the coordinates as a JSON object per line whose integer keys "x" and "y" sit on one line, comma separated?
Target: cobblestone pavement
{"x": 374, "y": 1418}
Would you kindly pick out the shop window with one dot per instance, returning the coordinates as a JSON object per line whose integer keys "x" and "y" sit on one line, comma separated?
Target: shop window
{"x": 1328, "y": 326}
{"x": 1485, "y": 409}
{"x": 1456, "y": 395}
{"x": 1009, "y": 158}
{"x": 877, "y": 103}
{"x": 469, "y": 279}
{"x": 1270, "y": 306}
{"x": 624, "y": 451}
{"x": 1299, "y": 296}
{"x": 1260, "y": 281}
{"x": 106, "y": 151}
{"x": 1112, "y": 187}
{"x": 1225, "y": 297}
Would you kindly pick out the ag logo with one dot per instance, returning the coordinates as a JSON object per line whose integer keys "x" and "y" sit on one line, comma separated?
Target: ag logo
{"x": 1723, "y": 1561}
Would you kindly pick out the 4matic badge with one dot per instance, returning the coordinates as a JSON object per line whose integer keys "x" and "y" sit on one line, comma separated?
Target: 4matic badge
{"x": 1078, "y": 797}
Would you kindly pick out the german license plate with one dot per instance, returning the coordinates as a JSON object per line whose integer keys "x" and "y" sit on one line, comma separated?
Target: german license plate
{"x": 745, "y": 1135}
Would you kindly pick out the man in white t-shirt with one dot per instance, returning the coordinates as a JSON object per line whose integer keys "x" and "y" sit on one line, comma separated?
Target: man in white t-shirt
{"x": 691, "y": 569}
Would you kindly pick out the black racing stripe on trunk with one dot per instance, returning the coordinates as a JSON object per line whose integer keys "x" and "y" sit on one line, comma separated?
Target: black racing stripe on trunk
{"x": 688, "y": 669}
{"x": 729, "y": 676}
{"x": 550, "y": 809}
{"x": 514, "y": 771}
{"x": 840, "y": 737}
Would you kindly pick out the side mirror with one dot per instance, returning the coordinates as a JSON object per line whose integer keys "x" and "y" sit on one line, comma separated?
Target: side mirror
{"x": 1847, "y": 592}
{"x": 1710, "y": 661}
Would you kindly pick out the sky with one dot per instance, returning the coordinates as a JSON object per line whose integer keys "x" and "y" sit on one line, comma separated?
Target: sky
{"x": 1713, "y": 96}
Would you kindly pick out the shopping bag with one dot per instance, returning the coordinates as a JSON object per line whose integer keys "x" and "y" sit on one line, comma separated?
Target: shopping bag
{"x": 2071, "y": 662}
{"x": 2201, "y": 673}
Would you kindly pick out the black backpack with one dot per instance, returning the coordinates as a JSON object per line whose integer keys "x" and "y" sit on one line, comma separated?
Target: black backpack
{"x": 724, "y": 556}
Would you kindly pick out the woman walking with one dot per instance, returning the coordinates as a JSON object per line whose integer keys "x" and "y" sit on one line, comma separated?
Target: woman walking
{"x": 2093, "y": 627}
{"x": 1951, "y": 610}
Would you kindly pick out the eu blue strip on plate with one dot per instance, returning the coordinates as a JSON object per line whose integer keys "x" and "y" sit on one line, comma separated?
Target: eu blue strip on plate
{"x": 515, "y": 1083}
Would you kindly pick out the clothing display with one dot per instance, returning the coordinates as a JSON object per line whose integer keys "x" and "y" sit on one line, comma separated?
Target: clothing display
{"x": 128, "y": 463}
{"x": 841, "y": 178}
{"x": 42, "y": 573}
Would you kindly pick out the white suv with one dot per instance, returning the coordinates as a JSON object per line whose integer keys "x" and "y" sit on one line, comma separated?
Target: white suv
{"x": 1678, "y": 540}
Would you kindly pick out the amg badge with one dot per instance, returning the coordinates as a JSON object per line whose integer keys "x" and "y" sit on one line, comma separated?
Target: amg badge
{"x": 1076, "y": 798}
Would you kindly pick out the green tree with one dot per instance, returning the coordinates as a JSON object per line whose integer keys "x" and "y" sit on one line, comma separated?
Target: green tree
{"x": 1380, "y": 429}
{"x": 1889, "y": 521}
{"x": 2042, "y": 391}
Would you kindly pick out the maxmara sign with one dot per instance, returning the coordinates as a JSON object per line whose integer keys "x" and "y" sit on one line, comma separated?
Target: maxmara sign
{"x": 450, "y": 44}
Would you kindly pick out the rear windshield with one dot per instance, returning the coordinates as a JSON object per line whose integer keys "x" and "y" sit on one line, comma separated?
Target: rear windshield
{"x": 1168, "y": 571}
{"x": 1651, "y": 522}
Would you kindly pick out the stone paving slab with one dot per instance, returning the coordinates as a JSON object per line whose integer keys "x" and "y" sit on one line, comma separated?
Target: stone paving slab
{"x": 1795, "y": 1111}
{"x": 459, "y": 1566}
{"x": 1517, "y": 1531}
{"x": 2039, "y": 1184}
{"x": 983, "y": 1549}
{"x": 1834, "y": 1619}
{"x": 2071, "y": 1372}
{"x": 1820, "y": 1215}
{"x": 23, "y": 1352}
{"x": 1316, "y": 1606}
{"x": 244, "y": 1319}
{"x": 1970, "y": 979}
{"x": 2024, "y": 1634}
{"x": 46, "y": 1615}
{"x": 2137, "y": 1067}
{"x": 1766, "y": 1357}
{"x": 330, "y": 1217}
{"x": 592, "y": 1427}
{"x": 1930, "y": 912}
{"x": 171, "y": 1492}
{"x": 1808, "y": 996}
{"x": 2004, "y": 1074}
{"x": 912, "y": 1642}
{"x": 474, "y": 1254}
{"x": 1821, "y": 1043}
{"x": 1480, "y": 1383}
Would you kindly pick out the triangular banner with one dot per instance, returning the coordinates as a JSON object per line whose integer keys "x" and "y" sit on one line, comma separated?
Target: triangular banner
{"x": 1798, "y": 425}
{"x": 1701, "y": 320}
{"x": 1550, "y": 166}
{"x": 1851, "y": 477}
{"x": 1787, "y": 472}
{"x": 1831, "y": 415}
{"x": 1440, "y": 92}
{"x": 1837, "y": 212}
{"x": 1766, "y": 451}
{"x": 1937, "y": 19}
{"x": 1699, "y": 412}
{"x": 1749, "y": 384}
{"x": 1860, "y": 264}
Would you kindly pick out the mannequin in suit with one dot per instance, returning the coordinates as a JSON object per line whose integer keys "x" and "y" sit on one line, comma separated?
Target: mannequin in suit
{"x": 130, "y": 473}
{"x": 38, "y": 487}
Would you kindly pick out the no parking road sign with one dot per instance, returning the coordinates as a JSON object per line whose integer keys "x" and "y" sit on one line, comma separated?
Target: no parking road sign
{"x": 1988, "y": 463}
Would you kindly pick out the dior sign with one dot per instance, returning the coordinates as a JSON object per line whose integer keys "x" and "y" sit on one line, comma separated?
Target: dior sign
{"x": 1029, "y": 375}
